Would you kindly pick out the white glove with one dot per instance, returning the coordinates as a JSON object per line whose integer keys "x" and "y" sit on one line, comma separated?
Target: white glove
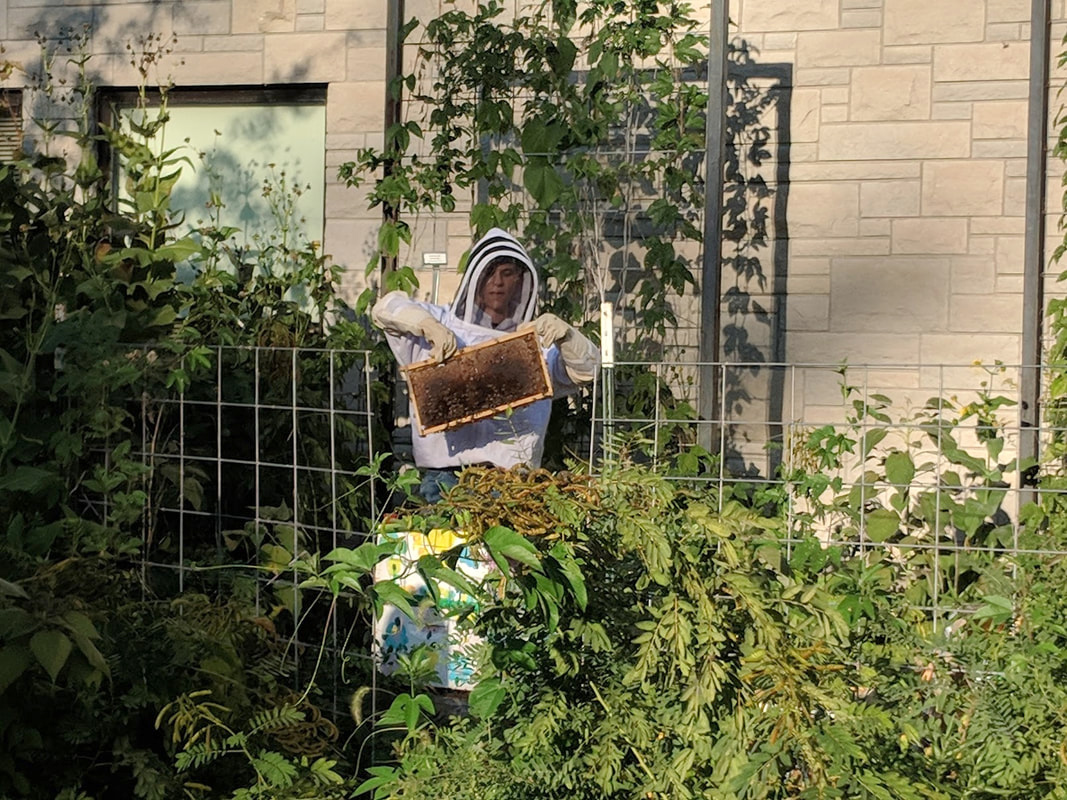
{"x": 581, "y": 358}
{"x": 396, "y": 313}
{"x": 441, "y": 339}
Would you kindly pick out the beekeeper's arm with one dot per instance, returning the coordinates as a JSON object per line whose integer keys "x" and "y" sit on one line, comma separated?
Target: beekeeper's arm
{"x": 581, "y": 358}
{"x": 398, "y": 314}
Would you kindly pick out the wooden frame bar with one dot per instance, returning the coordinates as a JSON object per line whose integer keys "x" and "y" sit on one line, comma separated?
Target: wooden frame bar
{"x": 478, "y": 382}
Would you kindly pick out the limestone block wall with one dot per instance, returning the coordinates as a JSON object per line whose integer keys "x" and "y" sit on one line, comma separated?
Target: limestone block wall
{"x": 905, "y": 138}
{"x": 224, "y": 43}
{"x": 906, "y": 190}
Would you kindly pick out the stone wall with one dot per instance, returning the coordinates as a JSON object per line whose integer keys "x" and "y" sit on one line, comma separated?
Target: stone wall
{"x": 337, "y": 43}
{"x": 906, "y": 148}
{"x": 906, "y": 190}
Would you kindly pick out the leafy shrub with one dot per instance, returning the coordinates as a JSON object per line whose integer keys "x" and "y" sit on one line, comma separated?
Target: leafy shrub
{"x": 96, "y": 636}
{"x": 650, "y": 643}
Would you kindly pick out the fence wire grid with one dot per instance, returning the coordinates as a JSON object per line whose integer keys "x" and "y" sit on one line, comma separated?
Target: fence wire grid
{"x": 277, "y": 456}
{"x": 294, "y": 431}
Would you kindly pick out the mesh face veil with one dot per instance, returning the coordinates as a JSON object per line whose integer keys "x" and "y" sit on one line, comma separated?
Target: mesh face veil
{"x": 496, "y": 244}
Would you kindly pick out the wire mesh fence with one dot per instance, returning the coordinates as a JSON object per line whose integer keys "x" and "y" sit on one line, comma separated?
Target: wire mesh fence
{"x": 275, "y": 453}
{"x": 275, "y": 434}
{"x": 256, "y": 461}
{"x": 918, "y": 466}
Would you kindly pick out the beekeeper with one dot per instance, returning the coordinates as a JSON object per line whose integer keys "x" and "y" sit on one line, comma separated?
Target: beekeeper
{"x": 497, "y": 295}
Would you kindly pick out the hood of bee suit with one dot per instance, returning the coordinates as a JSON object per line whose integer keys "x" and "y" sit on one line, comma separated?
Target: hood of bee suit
{"x": 496, "y": 244}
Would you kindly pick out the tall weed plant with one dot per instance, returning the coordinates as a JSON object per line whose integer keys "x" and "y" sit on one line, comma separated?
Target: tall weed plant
{"x": 658, "y": 641}
{"x": 111, "y": 667}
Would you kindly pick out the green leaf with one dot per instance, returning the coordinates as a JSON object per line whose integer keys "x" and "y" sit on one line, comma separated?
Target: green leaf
{"x": 406, "y": 710}
{"x": 397, "y": 137}
{"x": 504, "y": 656}
{"x": 996, "y": 609}
{"x": 504, "y": 543}
{"x": 278, "y": 771}
{"x": 14, "y": 660}
{"x": 609, "y": 64}
{"x": 957, "y": 455}
{"x": 808, "y": 555}
{"x": 486, "y": 697}
{"x": 561, "y": 58}
{"x": 12, "y": 589}
{"x": 79, "y": 623}
{"x": 15, "y": 622}
{"x": 363, "y": 558}
{"x": 92, "y": 654}
{"x": 28, "y": 479}
{"x": 483, "y": 216}
{"x": 276, "y": 558}
{"x": 179, "y": 250}
{"x": 389, "y": 239}
{"x": 52, "y": 649}
{"x": 849, "y": 608}
{"x": 322, "y": 770}
{"x": 380, "y": 776}
{"x": 752, "y": 764}
{"x": 881, "y": 524}
{"x": 969, "y": 516}
{"x": 432, "y": 569}
{"x": 571, "y": 573}
{"x": 163, "y": 316}
{"x": 542, "y": 182}
{"x": 387, "y": 592}
{"x": 540, "y": 140}
{"x": 899, "y": 468}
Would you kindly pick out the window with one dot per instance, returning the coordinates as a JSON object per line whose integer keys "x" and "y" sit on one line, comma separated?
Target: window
{"x": 10, "y": 124}
{"x": 258, "y": 159}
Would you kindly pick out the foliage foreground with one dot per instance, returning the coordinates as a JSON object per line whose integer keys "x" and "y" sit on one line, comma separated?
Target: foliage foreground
{"x": 642, "y": 641}
{"x": 127, "y": 639}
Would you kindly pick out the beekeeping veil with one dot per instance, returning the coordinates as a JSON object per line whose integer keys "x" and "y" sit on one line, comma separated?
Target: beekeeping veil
{"x": 494, "y": 245}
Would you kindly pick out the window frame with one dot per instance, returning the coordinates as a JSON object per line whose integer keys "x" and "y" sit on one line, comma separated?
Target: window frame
{"x": 109, "y": 99}
{"x": 15, "y": 131}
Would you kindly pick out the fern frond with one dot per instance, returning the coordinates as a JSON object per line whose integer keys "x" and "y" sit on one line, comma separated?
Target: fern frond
{"x": 199, "y": 755}
{"x": 275, "y": 769}
{"x": 271, "y": 719}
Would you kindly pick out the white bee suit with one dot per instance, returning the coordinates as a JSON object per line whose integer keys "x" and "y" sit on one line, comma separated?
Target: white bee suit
{"x": 416, "y": 331}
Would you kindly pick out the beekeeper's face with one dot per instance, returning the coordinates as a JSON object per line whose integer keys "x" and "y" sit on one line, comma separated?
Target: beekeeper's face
{"x": 498, "y": 289}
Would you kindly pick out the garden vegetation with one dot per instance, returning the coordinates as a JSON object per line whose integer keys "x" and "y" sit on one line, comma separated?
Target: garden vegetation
{"x": 643, "y": 634}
